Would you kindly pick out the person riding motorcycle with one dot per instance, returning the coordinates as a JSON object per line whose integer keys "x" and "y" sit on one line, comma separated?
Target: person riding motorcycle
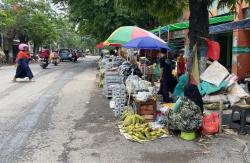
{"x": 54, "y": 57}
{"x": 45, "y": 53}
{"x": 74, "y": 56}
{"x": 44, "y": 57}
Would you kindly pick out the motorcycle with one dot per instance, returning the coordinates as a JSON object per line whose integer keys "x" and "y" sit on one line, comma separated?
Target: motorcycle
{"x": 54, "y": 61}
{"x": 44, "y": 62}
{"x": 74, "y": 58}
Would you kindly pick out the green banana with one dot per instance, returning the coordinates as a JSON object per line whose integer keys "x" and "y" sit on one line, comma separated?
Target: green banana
{"x": 147, "y": 133}
{"x": 136, "y": 139}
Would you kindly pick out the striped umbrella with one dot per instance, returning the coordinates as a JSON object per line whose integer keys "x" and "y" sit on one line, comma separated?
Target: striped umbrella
{"x": 125, "y": 34}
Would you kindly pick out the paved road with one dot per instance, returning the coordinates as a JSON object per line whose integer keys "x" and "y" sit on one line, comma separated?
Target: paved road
{"x": 63, "y": 117}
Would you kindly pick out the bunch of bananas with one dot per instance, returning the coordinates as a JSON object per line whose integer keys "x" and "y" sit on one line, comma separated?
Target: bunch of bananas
{"x": 130, "y": 118}
{"x": 154, "y": 97}
{"x": 137, "y": 129}
{"x": 168, "y": 105}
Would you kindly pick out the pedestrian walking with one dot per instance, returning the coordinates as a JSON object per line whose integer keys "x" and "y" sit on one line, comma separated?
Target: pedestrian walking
{"x": 22, "y": 60}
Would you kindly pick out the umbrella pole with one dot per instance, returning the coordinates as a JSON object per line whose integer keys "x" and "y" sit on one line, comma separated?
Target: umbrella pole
{"x": 127, "y": 55}
{"x": 159, "y": 31}
{"x": 168, "y": 42}
{"x": 145, "y": 65}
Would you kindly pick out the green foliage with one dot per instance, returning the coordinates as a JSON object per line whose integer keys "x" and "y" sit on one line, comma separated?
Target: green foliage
{"x": 99, "y": 18}
{"x": 41, "y": 29}
{"x": 231, "y": 4}
{"x": 37, "y": 22}
{"x": 164, "y": 11}
{"x": 7, "y": 19}
{"x": 169, "y": 10}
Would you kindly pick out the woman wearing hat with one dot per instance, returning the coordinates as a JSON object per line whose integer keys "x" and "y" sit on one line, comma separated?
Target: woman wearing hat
{"x": 22, "y": 61}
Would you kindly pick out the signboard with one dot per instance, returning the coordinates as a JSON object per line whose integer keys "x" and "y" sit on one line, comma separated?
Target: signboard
{"x": 179, "y": 34}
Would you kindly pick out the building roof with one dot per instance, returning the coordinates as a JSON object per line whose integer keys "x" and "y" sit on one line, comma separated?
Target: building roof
{"x": 185, "y": 24}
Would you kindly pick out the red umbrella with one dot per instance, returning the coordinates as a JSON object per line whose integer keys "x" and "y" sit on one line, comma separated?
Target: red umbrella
{"x": 100, "y": 45}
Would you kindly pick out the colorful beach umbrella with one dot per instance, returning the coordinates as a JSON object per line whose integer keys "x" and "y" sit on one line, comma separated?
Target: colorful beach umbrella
{"x": 100, "y": 45}
{"x": 146, "y": 43}
{"x": 125, "y": 34}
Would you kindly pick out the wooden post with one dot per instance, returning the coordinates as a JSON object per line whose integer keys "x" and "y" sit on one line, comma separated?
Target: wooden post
{"x": 220, "y": 116}
{"x": 159, "y": 31}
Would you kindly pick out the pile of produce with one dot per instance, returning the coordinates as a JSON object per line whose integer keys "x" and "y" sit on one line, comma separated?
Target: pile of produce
{"x": 134, "y": 127}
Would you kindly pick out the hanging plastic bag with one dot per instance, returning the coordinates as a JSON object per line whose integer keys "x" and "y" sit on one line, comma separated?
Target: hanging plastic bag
{"x": 213, "y": 50}
{"x": 210, "y": 124}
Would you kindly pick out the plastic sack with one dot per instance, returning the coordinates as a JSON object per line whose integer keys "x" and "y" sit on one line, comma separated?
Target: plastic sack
{"x": 210, "y": 124}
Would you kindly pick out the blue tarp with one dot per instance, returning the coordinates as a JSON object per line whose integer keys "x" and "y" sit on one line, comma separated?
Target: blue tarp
{"x": 206, "y": 88}
{"x": 241, "y": 24}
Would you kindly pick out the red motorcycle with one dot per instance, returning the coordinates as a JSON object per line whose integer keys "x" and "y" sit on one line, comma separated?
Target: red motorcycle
{"x": 44, "y": 58}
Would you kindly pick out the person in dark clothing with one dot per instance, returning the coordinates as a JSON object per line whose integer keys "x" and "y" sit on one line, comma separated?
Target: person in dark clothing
{"x": 74, "y": 56}
{"x": 192, "y": 92}
{"x": 168, "y": 81}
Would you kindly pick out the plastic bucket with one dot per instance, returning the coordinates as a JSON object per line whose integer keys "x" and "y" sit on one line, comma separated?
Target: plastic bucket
{"x": 188, "y": 135}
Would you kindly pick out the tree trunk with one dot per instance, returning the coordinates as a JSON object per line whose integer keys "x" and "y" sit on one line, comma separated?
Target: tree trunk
{"x": 8, "y": 49}
{"x": 35, "y": 48}
{"x": 23, "y": 38}
{"x": 198, "y": 30}
{"x": 8, "y": 38}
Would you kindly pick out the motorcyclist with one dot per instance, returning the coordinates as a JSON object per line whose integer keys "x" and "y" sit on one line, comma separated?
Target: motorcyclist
{"x": 54, "y": 56}
{"x": 45, "y": 53}
{"x": 74, "y": 56}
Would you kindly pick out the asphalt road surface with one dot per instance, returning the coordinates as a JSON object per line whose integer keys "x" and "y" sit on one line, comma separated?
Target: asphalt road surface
{"x": 62, "y": 117}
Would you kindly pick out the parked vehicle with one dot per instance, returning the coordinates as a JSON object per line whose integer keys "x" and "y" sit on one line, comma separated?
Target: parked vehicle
{"x": 80, "y": 53}
{"x": 65, "y": 54}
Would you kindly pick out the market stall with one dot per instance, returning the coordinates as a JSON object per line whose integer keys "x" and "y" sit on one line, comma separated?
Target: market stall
{"x": 125, "y": 79}
{"x": 127, "y": 82}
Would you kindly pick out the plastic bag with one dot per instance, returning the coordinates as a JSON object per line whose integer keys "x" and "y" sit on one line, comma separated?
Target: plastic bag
{"x": 213, "y": 50}
{"x": 210, "y": 124}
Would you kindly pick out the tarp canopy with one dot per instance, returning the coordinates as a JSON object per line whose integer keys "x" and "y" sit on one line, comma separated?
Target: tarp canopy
{"x": 241, "y": 24}
{"x": 185, "y": 25}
